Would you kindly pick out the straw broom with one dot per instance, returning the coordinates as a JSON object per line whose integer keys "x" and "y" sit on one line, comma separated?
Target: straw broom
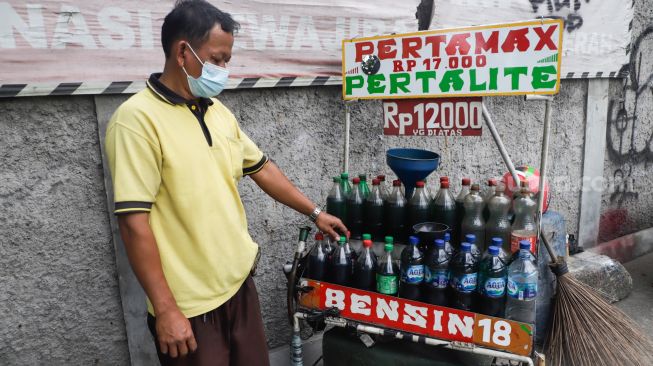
{"x": 586, "y": 330}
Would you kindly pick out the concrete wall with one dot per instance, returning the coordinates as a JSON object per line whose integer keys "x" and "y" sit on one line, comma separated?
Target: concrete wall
{"x": 59, "y": 296}
{"x": 626, "y": 203}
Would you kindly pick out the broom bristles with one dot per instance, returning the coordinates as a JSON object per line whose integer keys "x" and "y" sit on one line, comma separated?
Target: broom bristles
{"x": 586, "y": 330}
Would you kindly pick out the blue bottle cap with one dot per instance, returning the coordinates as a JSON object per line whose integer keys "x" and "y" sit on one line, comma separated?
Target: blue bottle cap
{"x": 466, "y": 247}
{"x": 413, "y": 240}
{"x": 498, "y": 242}
{"x": 525, "y": 244}
{"x": 493, "y": 250}
{"x": 439, "y": 243}
{"x": 471, "y": 238}
{"x": 447, "y": 236}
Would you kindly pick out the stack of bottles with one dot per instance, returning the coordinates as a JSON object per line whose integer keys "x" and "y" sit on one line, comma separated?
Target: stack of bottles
{"x": 486, "y": 214}
{"x": 484, "y": 263}
{"x": 464, "y": 280}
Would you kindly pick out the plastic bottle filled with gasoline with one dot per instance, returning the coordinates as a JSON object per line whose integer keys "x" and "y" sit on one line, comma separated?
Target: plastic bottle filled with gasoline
{"x": 365, "y": 268}
{"x": 373, "y": 212}
{"x": 394, "y": 214}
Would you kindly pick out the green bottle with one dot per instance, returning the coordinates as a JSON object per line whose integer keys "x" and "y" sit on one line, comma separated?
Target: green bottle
{"x": 365, "y": 189}
{"x": 344, "y": 184}
{"x": 387, "y": 271}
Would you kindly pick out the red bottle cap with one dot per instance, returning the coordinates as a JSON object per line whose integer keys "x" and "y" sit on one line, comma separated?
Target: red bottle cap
{"x": 381, "y": 177}
{"x": 376, "y": 182}
{"x": 419, "y": 184}
{"x": 319, "y": 236}
{"x": 444, "y": 184}
{"x": 396, "y": 183}
{"x": 356, "y": 180}
{"x": 492, "y": 182}
{"x": 467, "y": 181}
{"x": 367, "y": 243}
{"x": 444, "y": 179}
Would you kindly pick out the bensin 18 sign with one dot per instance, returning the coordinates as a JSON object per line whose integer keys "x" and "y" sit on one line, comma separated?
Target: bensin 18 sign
{"x": 504, "y": 59}
{"x": 419, "y": 318}
{"x": 433, "y": 117}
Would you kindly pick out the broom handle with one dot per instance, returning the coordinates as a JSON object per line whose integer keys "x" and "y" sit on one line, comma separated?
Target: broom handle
{"x": 502, "y": 148}
{"x": 543, "y": 171}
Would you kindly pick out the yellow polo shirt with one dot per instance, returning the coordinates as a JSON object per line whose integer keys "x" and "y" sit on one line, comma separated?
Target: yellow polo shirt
{"x": 181, "y": 162}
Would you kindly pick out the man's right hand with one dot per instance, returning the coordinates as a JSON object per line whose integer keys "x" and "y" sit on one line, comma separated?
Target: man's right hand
{"x": 175, "y": 333}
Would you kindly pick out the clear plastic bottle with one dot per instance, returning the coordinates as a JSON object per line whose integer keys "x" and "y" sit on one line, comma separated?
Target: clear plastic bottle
{"x": 498, "y": 223}
{"x": 464, "y": 274}
{"x": 492, "y": 283}
{"x": 444, "y": 205}
{"x": 365, "y": 268}
{"x": 387, "y": 271}
{"x": 473, "y": 222}
{"x": 436, "y": 274}
{"x": 355, "y": 210}
{"x": 373, "y": 212}
{"x": 394, "y": 214}
{"x": 476, "y": 251}
{"x": 523, "y": 228}
{"x": 522, "y": 286}
{"x": 365, "y": 189}
{"x": 418, "y": 207}
{"x": 460, "y": 212}
{"x": 317, "y": 259}
{"x": 385, "y": 192}
{"x": 447, "y": 245}
{"x": 336, "y": 201}
{"x": 340, "y": 266}
{"x": 412, "y": 270}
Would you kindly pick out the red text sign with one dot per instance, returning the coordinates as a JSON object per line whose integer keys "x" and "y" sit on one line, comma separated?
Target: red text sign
{"x": 433, "y": 117}
{"x": 419, "y": 318}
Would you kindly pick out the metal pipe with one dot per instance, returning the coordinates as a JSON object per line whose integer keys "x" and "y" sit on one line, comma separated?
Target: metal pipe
{"x": 502, "y": 148}
{"x": 543, "y": 168}
{"x": 345, "y": 167}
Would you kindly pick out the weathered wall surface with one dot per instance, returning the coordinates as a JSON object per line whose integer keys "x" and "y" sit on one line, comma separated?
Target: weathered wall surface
{"x": 58, "y": 291}
{"x": 628, "y": 197}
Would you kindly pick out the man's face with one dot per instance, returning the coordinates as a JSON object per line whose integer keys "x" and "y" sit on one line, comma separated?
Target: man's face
{"x": 216, "y": 50}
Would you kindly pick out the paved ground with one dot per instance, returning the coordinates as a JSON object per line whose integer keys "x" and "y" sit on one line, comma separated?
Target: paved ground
{"x": 639, "y": 304}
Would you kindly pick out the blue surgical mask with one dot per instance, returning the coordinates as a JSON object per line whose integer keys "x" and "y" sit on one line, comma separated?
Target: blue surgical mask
{"x": 212, "y": 81}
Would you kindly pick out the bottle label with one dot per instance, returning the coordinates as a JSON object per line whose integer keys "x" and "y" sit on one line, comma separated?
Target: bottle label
{"x": 464, "y": 283}
{"x": 386, "y": 284}
{"x": 494, "y": 287}
{"x": 522, "y": 291}
{"x": 437, "y": 278}
{"x": 413, "y": 274}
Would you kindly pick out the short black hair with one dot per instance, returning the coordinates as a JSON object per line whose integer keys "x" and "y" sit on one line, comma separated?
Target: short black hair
{"x": 193, "y": 20}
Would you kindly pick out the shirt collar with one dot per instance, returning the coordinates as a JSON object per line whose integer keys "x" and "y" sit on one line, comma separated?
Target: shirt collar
{"x": 170, "y": 96}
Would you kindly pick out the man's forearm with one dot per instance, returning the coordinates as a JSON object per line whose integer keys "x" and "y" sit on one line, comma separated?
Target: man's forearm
{"x": 273, "y": 182}
{"x": 144, "y": 258}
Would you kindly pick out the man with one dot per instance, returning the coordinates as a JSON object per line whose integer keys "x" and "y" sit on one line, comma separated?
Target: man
{"x": 176, "y": 156}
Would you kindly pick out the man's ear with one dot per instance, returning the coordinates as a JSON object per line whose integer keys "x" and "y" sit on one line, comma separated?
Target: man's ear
{"x": 179, "y": 51}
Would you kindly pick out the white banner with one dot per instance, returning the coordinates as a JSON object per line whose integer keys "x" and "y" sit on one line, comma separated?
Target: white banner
{"x": 597, "y": 32}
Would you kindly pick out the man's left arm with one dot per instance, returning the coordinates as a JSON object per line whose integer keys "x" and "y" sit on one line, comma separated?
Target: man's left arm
{"x": 273, "y": 182}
